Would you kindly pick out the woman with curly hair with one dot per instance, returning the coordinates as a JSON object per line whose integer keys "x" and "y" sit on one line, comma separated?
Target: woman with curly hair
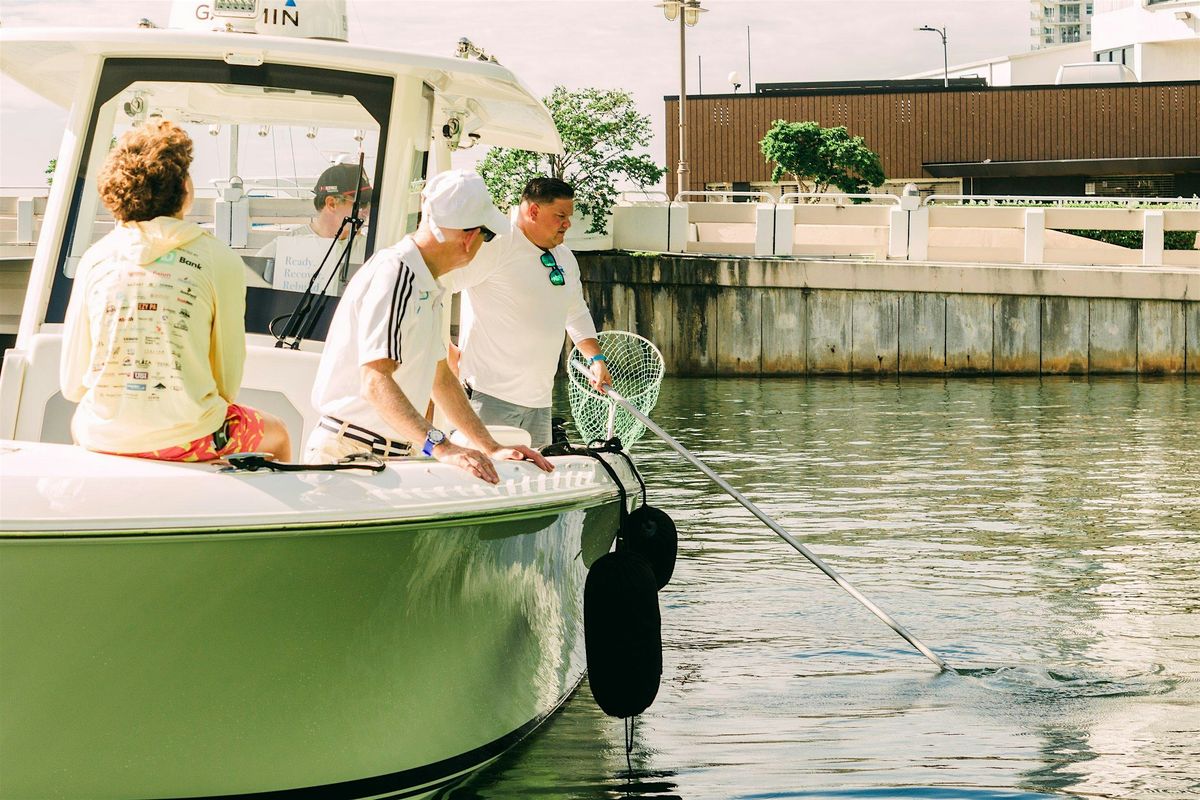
{"x": 154, "y": 341}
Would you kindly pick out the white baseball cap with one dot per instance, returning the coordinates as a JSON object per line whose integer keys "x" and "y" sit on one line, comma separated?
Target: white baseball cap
{"x": 459, "y": 200}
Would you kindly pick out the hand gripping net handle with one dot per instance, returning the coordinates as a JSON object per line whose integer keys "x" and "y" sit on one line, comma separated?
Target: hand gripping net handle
{"x": 636, "y": 367}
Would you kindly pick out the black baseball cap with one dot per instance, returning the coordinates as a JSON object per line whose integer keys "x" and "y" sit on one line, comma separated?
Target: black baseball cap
{"x": 342, "y": 179}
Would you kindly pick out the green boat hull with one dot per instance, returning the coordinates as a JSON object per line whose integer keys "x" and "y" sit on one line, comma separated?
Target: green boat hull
{"x": 379, "y": 660}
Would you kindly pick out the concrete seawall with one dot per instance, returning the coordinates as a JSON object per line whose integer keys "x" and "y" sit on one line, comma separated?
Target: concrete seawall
{"x": 738, "y": 316}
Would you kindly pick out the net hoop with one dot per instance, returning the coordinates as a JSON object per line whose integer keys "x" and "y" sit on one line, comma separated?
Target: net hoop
{"x": 636, "y": 367}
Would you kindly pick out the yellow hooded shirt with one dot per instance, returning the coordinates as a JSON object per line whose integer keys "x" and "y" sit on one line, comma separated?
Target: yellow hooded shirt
{"x": 154, "y": 341}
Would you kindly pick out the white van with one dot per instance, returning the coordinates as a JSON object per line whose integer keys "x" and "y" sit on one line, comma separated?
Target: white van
{"x": 1095, "y": 72}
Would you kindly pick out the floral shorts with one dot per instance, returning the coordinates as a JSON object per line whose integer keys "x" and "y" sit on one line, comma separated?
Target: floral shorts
{"x": 242, "y": 432}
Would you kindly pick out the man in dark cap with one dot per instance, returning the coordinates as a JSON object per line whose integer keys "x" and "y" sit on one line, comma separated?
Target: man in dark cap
{"x": 333, "y": 198}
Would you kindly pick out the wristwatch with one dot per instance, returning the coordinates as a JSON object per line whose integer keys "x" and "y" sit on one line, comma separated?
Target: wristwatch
{"x": 432, "y": 440}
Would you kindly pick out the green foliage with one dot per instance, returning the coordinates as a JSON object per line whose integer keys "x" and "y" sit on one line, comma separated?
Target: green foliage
{"x": 49, "y": 171}
{"x": 1172, "y": 240}
{"x": 823, "y": 157}
{"x": 601, "y": 131}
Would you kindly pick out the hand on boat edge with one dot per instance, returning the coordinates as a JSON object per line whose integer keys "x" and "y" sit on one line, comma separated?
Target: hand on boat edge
{"x": 522, "y": 453}
{"x": 473, "y": 461}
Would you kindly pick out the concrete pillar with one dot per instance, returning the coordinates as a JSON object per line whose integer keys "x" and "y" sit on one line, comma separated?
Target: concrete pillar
{"x": 1152, "y": 238}
{"x": 232, "y": 221}
{"x": 897, "y": 233}
{"x": 222, "y": 227}
{"x": 677, "y": 228}
{"x": 918, "y": 235}
{"x": 25, "y": 219}
{"x": 239, "y": 229}
{"x": 1035, "y": 236}
{"x": 764, "y": 229}
{"x": 785, "y": 229}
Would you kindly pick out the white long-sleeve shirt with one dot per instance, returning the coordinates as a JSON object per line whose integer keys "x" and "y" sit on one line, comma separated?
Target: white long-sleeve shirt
{"x": 513, "y": 318}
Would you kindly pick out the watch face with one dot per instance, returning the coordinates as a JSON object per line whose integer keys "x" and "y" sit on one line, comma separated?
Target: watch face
{"x": 436, "y": 436}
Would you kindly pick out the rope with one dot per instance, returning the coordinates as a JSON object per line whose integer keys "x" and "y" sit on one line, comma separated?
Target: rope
{"x": 253, "y": 462}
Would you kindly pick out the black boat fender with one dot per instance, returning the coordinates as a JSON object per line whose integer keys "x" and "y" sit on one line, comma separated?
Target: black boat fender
{"x": 621, "y": 620}
{"x": 622, "y": 633}
{"x": 650, "y": 532}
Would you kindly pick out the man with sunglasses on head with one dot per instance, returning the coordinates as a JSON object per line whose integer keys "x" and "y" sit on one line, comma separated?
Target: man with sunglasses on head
{"x": 518, "y": 297}
{"x": 385, "y": 357}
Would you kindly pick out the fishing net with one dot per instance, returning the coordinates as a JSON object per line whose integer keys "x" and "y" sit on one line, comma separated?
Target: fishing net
{"x": 636, "y": 367}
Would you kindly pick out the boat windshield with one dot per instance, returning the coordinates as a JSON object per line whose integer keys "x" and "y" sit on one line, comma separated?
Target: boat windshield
{"x": 262, "y": 136}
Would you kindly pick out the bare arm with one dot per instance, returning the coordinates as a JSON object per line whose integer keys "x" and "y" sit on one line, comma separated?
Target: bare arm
{"x": 450, "y": 398}
{"x": 382, "y": 392}
{"x": 600, "y": 376}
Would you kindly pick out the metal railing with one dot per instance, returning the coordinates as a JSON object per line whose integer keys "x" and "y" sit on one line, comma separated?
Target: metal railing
{"x": 1039, "y": 200}
{"x": 647, "y": 196}
{"x": 840, "y": 197}
{"x": 763, "y": 197}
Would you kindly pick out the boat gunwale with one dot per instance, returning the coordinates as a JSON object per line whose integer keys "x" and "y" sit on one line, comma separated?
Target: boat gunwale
{"x": 444, "y": 520}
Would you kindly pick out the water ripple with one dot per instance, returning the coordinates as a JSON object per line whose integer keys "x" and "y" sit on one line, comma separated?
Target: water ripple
{"x": 1042, "y": 536}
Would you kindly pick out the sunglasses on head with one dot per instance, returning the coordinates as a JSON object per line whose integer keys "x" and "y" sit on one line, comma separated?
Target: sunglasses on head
{"x": 557, "y": 278}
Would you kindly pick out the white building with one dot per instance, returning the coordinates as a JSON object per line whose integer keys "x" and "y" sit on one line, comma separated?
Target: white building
{"x": 1059, "y": 22}
{"x": 1158, "y": 40}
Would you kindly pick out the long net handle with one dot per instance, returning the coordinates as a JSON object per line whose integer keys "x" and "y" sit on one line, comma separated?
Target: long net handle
{"x": 772, "y": 524}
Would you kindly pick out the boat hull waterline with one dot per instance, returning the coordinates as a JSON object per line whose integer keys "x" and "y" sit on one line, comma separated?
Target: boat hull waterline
{"x": 369, "y": 659}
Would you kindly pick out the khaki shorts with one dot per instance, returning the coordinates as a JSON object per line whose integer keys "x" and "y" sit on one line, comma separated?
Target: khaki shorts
{"x": 494, "y": 411}
{"x": 326, "y": 446}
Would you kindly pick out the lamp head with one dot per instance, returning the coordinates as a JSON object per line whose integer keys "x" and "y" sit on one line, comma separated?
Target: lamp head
{"x": 670, "y": 9}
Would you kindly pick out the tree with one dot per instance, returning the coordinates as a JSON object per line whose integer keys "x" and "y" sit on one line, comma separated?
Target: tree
{"x": 823, "y": 157}
{"x": 601, "y": 131}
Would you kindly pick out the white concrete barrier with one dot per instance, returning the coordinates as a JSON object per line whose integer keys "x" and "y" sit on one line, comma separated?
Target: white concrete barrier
{"x": 1035, "y": 235}
{"x": 1152, "y": 238}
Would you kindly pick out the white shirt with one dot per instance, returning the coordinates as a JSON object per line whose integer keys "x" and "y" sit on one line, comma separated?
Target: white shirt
{"x": 392, "y": 308}
{"x": 512, "y": 321}
{"x": 271, "y": 248}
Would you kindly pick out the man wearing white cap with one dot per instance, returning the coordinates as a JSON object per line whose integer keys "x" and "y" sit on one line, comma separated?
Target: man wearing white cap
{"x": 384, "y": 357}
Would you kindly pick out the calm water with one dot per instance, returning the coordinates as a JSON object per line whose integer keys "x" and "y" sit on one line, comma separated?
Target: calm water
{"x": 1043, "y": 537}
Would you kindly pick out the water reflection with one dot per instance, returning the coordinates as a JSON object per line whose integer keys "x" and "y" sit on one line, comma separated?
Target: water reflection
{"x": 1042, "y": 536}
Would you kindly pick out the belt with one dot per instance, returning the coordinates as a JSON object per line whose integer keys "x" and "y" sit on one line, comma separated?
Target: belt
{"x": 380, "y": 445}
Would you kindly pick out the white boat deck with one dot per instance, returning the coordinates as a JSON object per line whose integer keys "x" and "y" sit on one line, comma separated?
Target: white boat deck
{"x": 47, "y": 484}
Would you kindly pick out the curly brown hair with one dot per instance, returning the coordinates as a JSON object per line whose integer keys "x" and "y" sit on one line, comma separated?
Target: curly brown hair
{"x": 145, "y": 175}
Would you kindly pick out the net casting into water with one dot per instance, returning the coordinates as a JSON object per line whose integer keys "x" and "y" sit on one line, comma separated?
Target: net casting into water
{"x": 765, "y": 518}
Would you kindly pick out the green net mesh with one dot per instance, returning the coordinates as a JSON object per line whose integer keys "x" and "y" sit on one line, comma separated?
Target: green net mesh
{"x": 636, "y": 367}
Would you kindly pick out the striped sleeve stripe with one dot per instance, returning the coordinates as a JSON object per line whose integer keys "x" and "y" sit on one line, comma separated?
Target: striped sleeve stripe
{"x": 401, "y": 293}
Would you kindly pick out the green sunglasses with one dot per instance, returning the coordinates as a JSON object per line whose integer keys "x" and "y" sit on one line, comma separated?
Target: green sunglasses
{"x": 557, "y": 278}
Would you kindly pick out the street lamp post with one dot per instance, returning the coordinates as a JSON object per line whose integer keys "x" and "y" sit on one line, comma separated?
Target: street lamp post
{"x": 688, "y": 13}
{"x": 945, "y": 56}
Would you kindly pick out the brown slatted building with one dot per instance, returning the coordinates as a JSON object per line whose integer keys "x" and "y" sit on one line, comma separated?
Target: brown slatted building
{"x": 1045, "y": 140}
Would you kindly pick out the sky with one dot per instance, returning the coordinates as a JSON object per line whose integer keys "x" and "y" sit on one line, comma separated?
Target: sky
{"x": 625, "y": 44}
